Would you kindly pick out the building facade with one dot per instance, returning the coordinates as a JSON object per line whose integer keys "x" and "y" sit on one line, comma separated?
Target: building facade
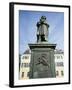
{"x": 25, "y": 64}
{"x": 59, "y": 63}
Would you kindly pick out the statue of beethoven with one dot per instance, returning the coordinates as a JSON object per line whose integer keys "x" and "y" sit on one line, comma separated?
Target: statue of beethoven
{"x": 42, "y": 30}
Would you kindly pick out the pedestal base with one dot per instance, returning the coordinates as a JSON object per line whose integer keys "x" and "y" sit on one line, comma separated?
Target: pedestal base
{"x": 42, "y": 63}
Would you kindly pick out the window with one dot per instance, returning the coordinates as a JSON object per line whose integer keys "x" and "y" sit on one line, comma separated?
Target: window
{"x": 58, "y": 57}
{"x": 57, "y": 73}
{"x": 22, "y": 74}
{"x": 61, "y": 57}
{"x": 28, "y": 74}
{"x": 62, "y": 73}
{"x": 21, "y": 64}
{"x": 26, "y": 64}
{"x": 59, "y": 64}
{"x": 25, "y": 57}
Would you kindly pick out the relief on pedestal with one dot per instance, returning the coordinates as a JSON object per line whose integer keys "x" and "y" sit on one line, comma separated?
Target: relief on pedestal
{"x": 43, "y": 59}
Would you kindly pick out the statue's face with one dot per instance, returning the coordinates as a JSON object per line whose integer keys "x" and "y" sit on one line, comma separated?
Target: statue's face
{"x": 43, "y": 18}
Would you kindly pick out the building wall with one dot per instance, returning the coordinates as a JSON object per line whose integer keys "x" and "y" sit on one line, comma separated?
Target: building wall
{"x": 59, "y": 63}
{"x": 25, "y": 62}
{"x": 24, "y": 66}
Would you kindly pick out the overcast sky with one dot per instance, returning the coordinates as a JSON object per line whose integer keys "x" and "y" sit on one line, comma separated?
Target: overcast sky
{"x": 28, "y": 29}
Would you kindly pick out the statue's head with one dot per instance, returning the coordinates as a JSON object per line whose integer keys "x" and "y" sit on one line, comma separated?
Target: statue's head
{"x": 43, "y": 19}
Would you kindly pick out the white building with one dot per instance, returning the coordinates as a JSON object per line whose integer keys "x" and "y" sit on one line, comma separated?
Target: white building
{"x": 25, "y": 64}
{"x": 59, "y": 63}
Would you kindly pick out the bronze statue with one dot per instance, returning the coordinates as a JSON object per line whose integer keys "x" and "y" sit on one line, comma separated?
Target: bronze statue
{"x": 42, "y": 30}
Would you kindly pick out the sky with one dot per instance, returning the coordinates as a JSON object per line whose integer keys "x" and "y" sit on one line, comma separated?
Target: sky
{"x": 28, "y": 28}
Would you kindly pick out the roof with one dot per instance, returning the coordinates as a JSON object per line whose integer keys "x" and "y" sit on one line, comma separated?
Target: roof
{"x": 27, "y": 51}
{"x": 59, "y": 51}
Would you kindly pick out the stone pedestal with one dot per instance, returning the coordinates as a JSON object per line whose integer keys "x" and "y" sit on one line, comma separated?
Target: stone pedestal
{"x": 42, "y": 63}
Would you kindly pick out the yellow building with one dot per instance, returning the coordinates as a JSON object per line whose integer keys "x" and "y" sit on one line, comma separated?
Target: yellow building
{"x": 25, "y": 64}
